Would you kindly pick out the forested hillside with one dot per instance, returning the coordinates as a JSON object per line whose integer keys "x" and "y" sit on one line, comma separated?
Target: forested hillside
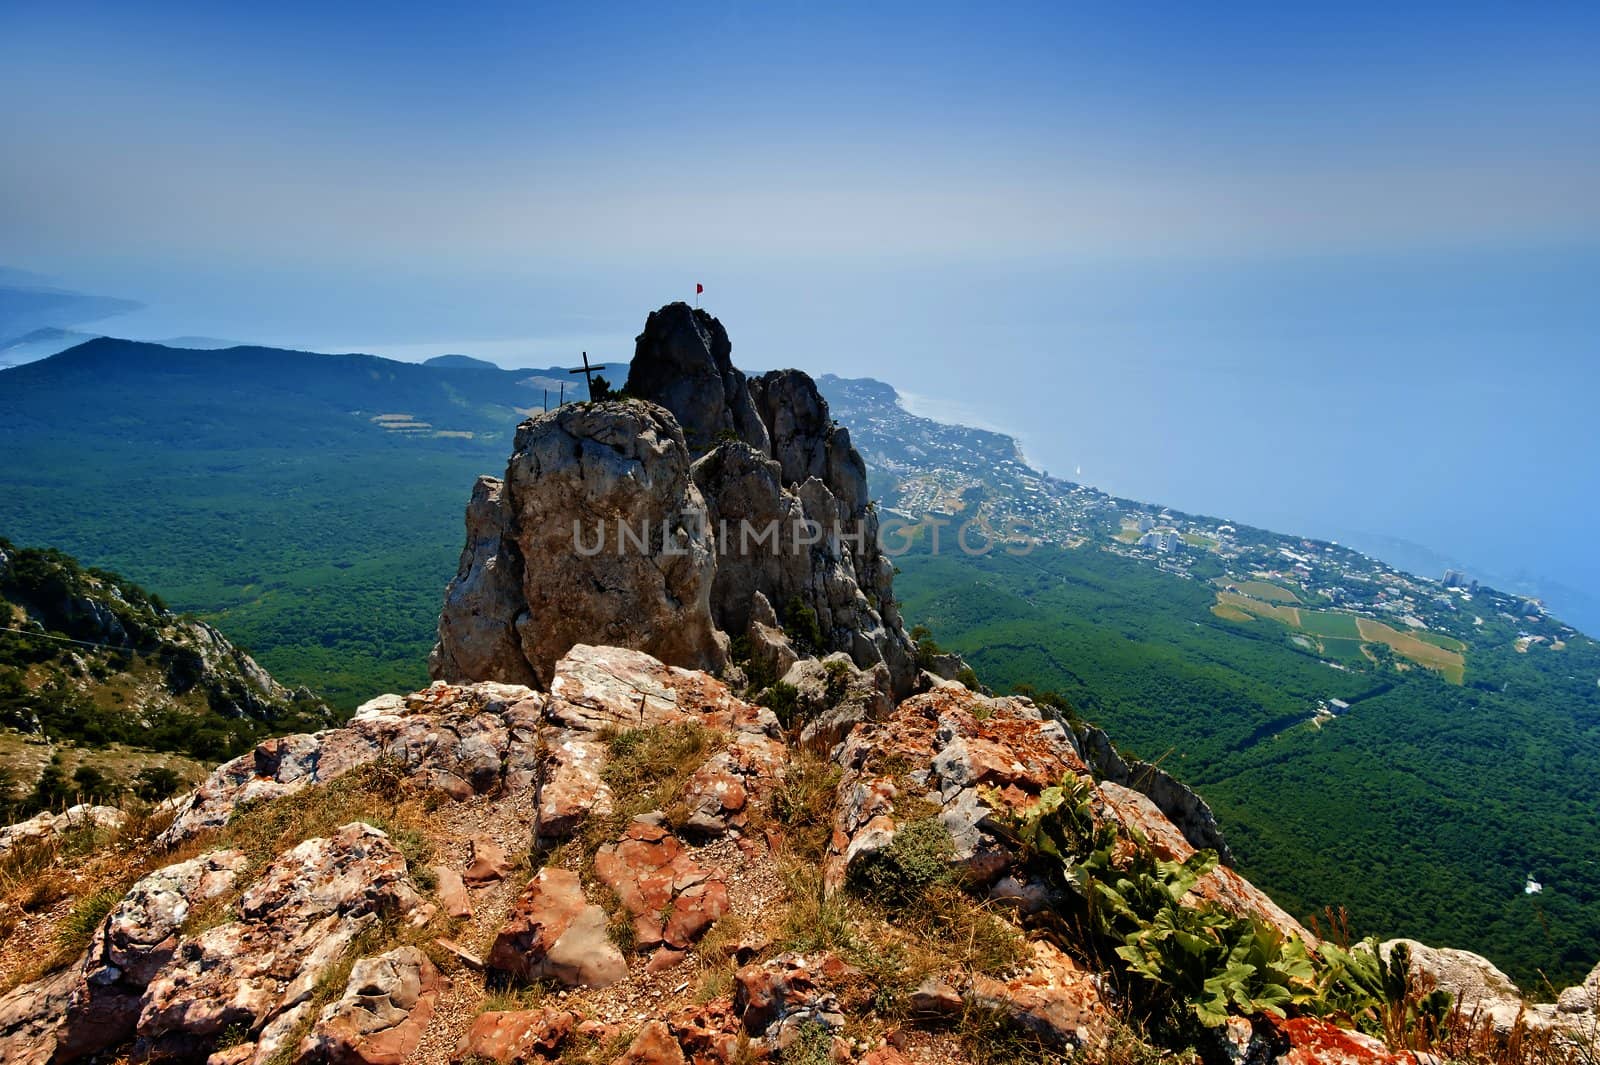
{"x": 309, "y": 505}
{"x": 1424, "y": 808}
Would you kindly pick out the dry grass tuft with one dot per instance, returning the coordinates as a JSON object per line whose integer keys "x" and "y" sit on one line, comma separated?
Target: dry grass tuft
{"x": 646, "y": 770}
{"x": 803, "y": 803}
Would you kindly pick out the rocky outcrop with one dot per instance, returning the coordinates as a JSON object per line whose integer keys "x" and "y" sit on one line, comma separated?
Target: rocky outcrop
{"x": 144, "y": 982}
{"x": 832, "y": 696}
{"x": 797, "y": 528}
{"x": 976, "y": 759}
{"x": 380, "y": 1018}
{"x": 599, "y": 519}
{"x": 602, "y": 531}
{"x": 611, "y": 904}
{"x": 49, "y": 826}
{"x": 517, "y": 1037}
{"x": 134, "y": 944}
{"x": 684, "y": 361}
{"x": 670, "y": 897}
{"x": 106, "y": 642}
{"x": 463, "y": 741}
{"x": 483, "y": 605}
{"x": 1177, "y": 802}
{"x": 256, "y": 974}
{"x": 1480, "y": 989}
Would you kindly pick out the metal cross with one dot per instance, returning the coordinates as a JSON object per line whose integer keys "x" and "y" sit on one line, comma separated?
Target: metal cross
{"x": 588, "y": 372}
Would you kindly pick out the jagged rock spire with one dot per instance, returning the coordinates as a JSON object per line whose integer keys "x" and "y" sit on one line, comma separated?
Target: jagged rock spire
{"x": 684, "y": 362}
{"x": 775, "y": 503}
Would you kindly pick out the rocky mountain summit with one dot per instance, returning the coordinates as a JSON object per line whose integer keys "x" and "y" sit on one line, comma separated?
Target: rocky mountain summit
{"x": 680, "y": 519}
{"x": 636, "y": 865}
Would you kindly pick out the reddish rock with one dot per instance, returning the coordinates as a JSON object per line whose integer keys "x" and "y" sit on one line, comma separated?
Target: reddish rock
{"x": 446, "y": 731}
{"x": 663, "y": 959}
{"x": 599, "y": 687}
{"x": 572, "y": 789}
{"x": 30, "y": 1018}
{"x": 1053, "y": 999}
{"x": 935, "y": 998}
{"x": 259, "y": 971}
{"x": 709, "y": 1032}
{"x": 555, "y": 933}
{"x": 133, "y": 944}
{"x": 885, "y": 1055}
{"x": 654, "y": 1045}
{"x": 673, "y": 899}
{"x": 788, "y": 990}
{"x": 489, "y": 862}
{"x": 967, "y": 752}
{"x": 453, "y": 893}
{"x": 1313, "y": 1041}
{"x": 379, "y": 1020}
{"x": 520, "y": 1037}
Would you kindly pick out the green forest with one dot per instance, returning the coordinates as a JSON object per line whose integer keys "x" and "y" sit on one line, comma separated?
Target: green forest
{"x": 254, "y": 489}
{"x": 1422, "y": 810}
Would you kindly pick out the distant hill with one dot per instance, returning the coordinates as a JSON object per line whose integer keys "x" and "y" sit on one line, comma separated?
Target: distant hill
{"x": 199, "y": 342}
{"x": 40, "y": 344}
{"x": 43, "y": 343}
{"x": 90, "y": 660}
{"x": 27, "y": 304}
{"x": 309, "y": 505}
{"x": 460, "y": 362}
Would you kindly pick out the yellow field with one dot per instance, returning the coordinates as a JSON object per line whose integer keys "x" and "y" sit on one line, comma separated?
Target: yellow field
{"x": 1450, "y": 663}
{"x": 1272, "y": 593}
{"x": 1230, "y": 613}
{"x": 1286, "y": 615}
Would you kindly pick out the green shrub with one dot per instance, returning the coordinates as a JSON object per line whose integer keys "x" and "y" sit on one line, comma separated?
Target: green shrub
{"x": 801, "y": 626}
{"x": 783, "y": 699}
{"x": 812, "y": 1045}
{"x": 914, "y": 862}
{"x": 1196, "y": 963}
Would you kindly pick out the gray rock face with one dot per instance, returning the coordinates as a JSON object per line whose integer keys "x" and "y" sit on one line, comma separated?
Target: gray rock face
{"x": 602, "y": 532}
{"x": 1178, "y": 802}
{"x": 483, "y": 604}
{"x": 379, "y": 1020}
{"x": 599, "y": 514}
{"x": 794, "y": 526}
{"x": 683, "y": 361}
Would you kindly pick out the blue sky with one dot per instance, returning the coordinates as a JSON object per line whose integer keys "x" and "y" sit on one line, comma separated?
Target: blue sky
{"x": 1218, "y": 244}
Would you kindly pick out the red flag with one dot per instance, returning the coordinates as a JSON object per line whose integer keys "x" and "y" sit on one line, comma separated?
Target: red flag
{"x": 698, "y": 288}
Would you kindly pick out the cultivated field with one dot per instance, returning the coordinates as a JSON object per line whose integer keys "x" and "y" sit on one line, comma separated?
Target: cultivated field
{"x": 1450, "y": 663}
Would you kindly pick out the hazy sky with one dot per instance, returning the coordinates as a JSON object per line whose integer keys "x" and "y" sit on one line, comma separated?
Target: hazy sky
{"x": 1288, "y": 265}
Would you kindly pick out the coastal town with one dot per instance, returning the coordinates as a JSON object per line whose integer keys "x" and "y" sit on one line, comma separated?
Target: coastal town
{"x": 975, "y": 488}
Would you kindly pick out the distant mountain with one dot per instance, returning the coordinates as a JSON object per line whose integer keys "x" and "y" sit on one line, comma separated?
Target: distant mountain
{"x": 271, "y": 392}
{"x": 200, "y": 343}
{"x": 460, "y": 362}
